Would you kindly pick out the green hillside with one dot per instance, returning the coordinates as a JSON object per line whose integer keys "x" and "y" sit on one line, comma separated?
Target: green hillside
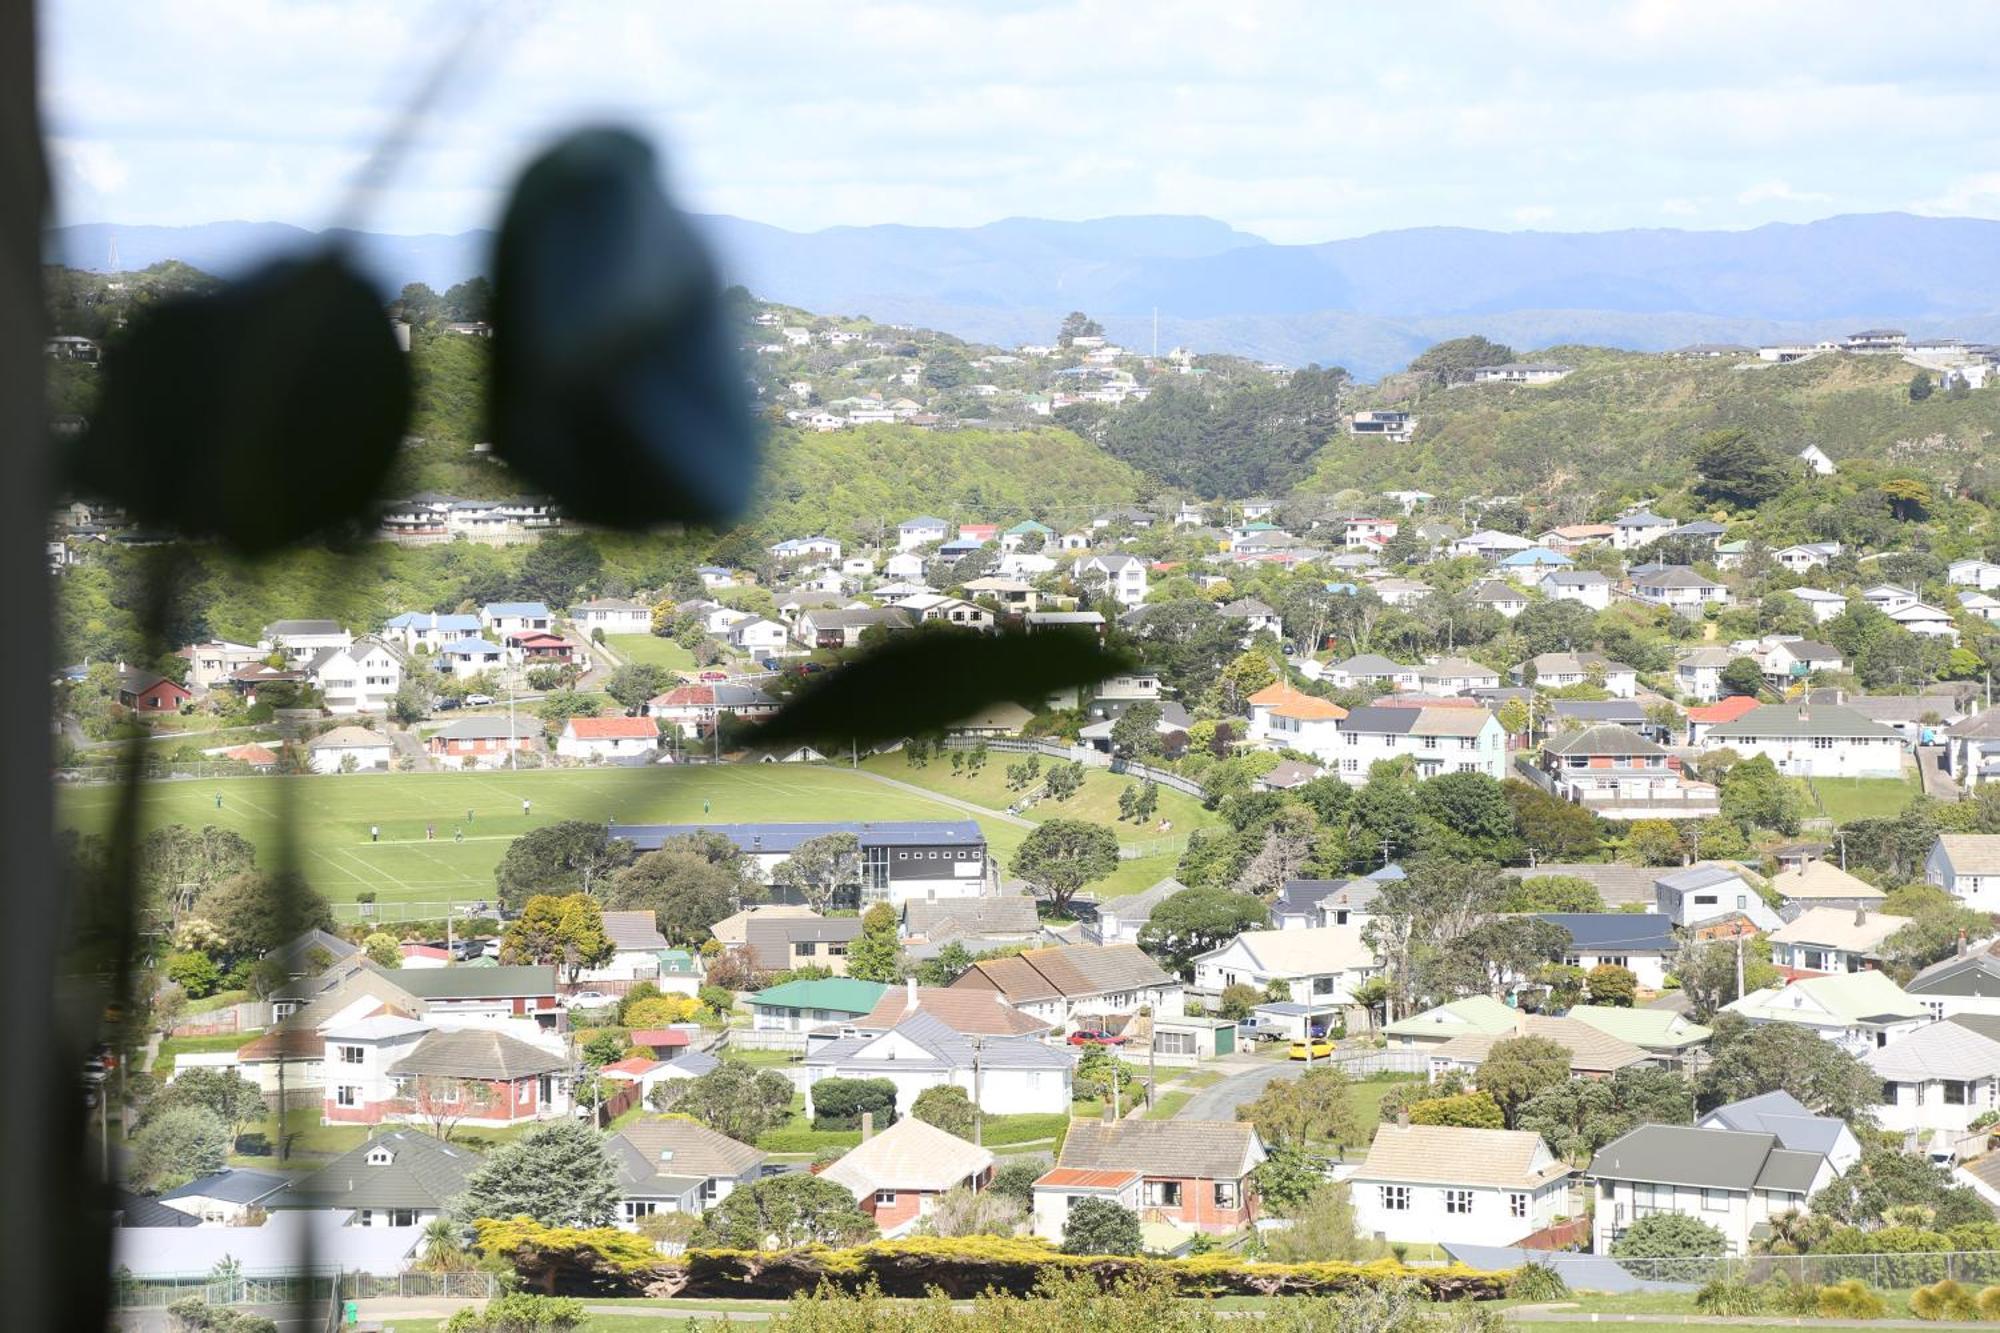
{"x": 1626, "y": 424}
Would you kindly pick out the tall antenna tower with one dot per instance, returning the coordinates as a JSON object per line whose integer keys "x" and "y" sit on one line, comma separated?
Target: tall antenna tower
{"x": 111, "y": 260}
{"x": 1156, "y": 333}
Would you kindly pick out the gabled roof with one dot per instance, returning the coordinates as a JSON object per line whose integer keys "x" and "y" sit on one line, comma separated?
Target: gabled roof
{"x": 1451, "y": 1155}
{"x": 1650, "y": 1029}
{"x": 1604, "y": 739}
{"x": 1976, "y": 974}
{"x": 908, "y": 1155}
{"x": 471, "y": 1053}
{"x": 966, "y": 1011}
{"x": 1203, "y": 1149}
{"x": 1790, "y": 720}
{"x": 1847, "y": 997}
{"x": 841, "y": 994}
{"x": 1972, "y": 853}
{"x": 1474, "y": 1013}
{"x": 1006, "y": 914}
{"x": 1069, "y": 970}
{"x": 513, "y": 981}
{"x": 1724, "y": 710}
{"x": 1836, "y": 928}
{"x": 1615, "y": 932}
{"x": 1938, "y": 1050}
{"x": 1705, "y": 1159}
{"x": 1782, "y": 1115}
{"x": 652, "y": 1154}
{"x": 231, "y": 1185}
{"x": 638, "y": 931}
{"x": 423, "y": 1171}
{"x": 1591, "y": 1050}
{"x": 1307, "y": 952}
{"x": 943, "y": 1047}
{"x": 613, "y": 728}
{"x": 1823, "y": 879}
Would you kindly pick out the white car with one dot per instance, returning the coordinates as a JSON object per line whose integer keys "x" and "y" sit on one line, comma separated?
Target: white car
{"x": 589, "y": 999}
{"x": 478, "y": 700}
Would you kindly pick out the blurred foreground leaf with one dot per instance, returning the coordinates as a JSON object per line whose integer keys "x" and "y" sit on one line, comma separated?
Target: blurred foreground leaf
{"x": 921, "y": 681}
{"x": 615, "y": 381}
{"x": 262, "y": 415}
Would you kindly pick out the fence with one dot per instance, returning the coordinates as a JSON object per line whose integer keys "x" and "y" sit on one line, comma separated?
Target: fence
{"x": 248, "y": 1016}
{"x": 1976, "y": 1267}
{"x": 766, "y": 1039}
{"x": 397, "y": 913}
{"x": 1392, "y": 1060}
{"x": 1088, "y": 757}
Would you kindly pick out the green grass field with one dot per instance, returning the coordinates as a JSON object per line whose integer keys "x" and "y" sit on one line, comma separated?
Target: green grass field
{"x": 650, "y": 648}
{"x": 333, "y": 815}
{"x": 1096, "y": 800}
{"x": 1866, "y": 798}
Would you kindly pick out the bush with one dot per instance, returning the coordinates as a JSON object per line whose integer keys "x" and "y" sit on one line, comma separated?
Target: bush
{"x": 1849, "y": 1299}
{"x": 947, "y": 1107}
{"x": 719, "y": 998}
{"x": 838, "y": 1103}
{"x": 1016, "y": 1180}
{"x": 1537, "y": 1282}
{"x": 1670, "y": 1236}
{"x": 194, "y": 972}
{"x": 658, "y": 1011}
{"x": 1727, "y": 1296}
{"x": 519, "y": 1312}
{"x": 1944, "y": 1300}
{"x": 1099, "y": 1226}
{"x": 1989, "y": 1303}
{"x": 1788, "y": 1296}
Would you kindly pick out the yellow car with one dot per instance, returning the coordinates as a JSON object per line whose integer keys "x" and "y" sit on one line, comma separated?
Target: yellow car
{"x": 1321, "y": 1049}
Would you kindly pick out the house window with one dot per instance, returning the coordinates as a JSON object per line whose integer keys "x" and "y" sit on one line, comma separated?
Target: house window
{"x": 1163, "y": 1194}
{"x": 885, "y": 1198}
{"x": 1458, "y": 1201}
{"x": 805, "y": 948}
{"x": 1396, "y": 1198}
{"x": 1715, "y": 1201}
{"x": 1954, "y": 1092}
{"x": 352, "y": 1055}
{"x": 1226, "y": 1194}
{"x": 402, "y": 1217}
{"x": 1517, "y": 1205}
{"x": 346, "y": 1095}
{"x": 634, "y": 1209}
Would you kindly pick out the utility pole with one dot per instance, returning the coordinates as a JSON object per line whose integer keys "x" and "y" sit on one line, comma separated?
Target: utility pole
{"x": 979, "y": 1116}
{"x": 1739, "y": 965}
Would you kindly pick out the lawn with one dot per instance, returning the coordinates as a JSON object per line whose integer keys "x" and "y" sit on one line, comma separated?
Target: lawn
{"x": 1096, "y": 800}
{"x": 334, "y": 814}
{"x": 163, "y": 1063}
{"x": 1866, "y": 798}
{"x": 798, "y": 1137}
{"x": 650, "y": 648}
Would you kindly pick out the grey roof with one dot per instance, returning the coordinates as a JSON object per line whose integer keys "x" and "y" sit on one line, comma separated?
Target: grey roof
{"x": 515, "y": 981}
{"x": 1576, "y": 578}
{"x": 231, "y": 1184}
{"x": 1616, "y": 884}
{"x": 139, "y": 1210}
{"x": 1789, "y": 720}
{"x": 279, "y": 628}
{"x": 1704, "y": 1159}
{"x": 475, "y": 1054}
{"x": 1207, "y": 1149}
{"x": 1697, "y": 877}
{"x": 1303, "y": 895}
{"x": 770, "y": 938}
{"x": 634, "y": 931}
{"x": 1782, "y": 1115}
{"x": 667, "y": 1156}
{"x": 1137, "y": 906}
{"x": 1675, "y": 576}
{"x": 1976, "y": 975}
{"x": 1619, "y": 932}
{"x": 1644, "y": 518}
{"x": 1625, "y": 712}
{"x": 295, "y": 950}
{"x": 945, "y": 1048}
{"x": 423, "y": 1171}
{"x": 1583, "y": 1272}
{"x": 1606, "y": 738}
{"x": 1391, "y": 721}
{"x": 1371, "y": 664}
{"x": 488, "y": 728}
{"x": 695, "y": 1062}
{"x": 1003, "y": 914}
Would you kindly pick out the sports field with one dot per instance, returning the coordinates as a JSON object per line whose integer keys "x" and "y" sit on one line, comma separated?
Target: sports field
{"x": 333, "y": 815}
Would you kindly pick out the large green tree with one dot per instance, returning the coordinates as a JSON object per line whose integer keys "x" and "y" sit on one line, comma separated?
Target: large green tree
{"x": 571, "y": 855}
{"x": 1516, "y": 1069}
{"x": 738, "y": 1100}
{"x": 558, "y": 1175}
{"x": 689, "y": 883}
{"x": 1194, "y": 921}
{"x": 1062, "y": 856}
{"x": 567, "y": 932}
{"x": 1314, "y": 1109}
{"x": 1101, "y": 1226}
{"x": 1732, "y": 468}
{"x": 784, "y": 1212}
{"x": 177, "y": 1145}
{"x": 877, "y": 953}
{"x": 634, "y": 683}
{"x": 1748, "y": 1059}
{"x": 255, "y": 912}
{"x": 820, "y": 868}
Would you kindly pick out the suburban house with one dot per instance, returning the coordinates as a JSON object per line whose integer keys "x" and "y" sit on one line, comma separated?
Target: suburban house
{"x": 897, "y": 1174}
{"x": 667, "y": 1165}
{"x": 505, "y": 618}
{"x": 1968, "y": 982}
{"x": 1077, "y": 982}
{"x": 497, "y": 1079}
{"x": 150, "y": 692}
{"x": 1439, "y": 739}
{"x": 843, "y": 628}
{"x": 1812, "y": 884}
{"x": 1505, "y": 599}
{"x": 228, "y": 1197}
{"x": 693, "y": 710}
{"x": 1123, "y": 576}
{"x": 637, "y": 946}
{"x": 1120, "y": 920}
{"x": 1190, "y": 1175}
{"x": 758, "y": 637}
{"x": 1678, "y": 587}
{"x": 398, "y": 1178}
{"x": 1705, "y": 718}
{"x": 1967, "y": 866}
{"x": 901, "y": 860}
{"x": 299, "y": 640}
{"x": 483, "y": 742}
{"x": 614, "y": 615}
{"x": 1857, "y": 1011}
{"x": 211, "y": 662}
{"x": 922, "y": 531}
{"x": 798, "y": 1006}
{"x": 1698, "y": 673}
{"x": 1593, "y": 1053}
{"x": 349, "y": 750}
{"x": 1587, "y": 586}
{"x": 1733, "y": 1181}
{"x": 361, "y": 677}
{"x": 1708, "y": 892}
{"x": 979, "y": 924}
{"x": 1304, "y": 903}
{"x": 1444, "y": 1183}
{"x": 1640, "y": 942}
{"x": 1665, "y": 1035}
{"x": 1478, "y": 1015}
{"x": 1615, "y": 772}
{"x": 1371, "y": 669}
{"x": 1972, "y": 748}
{"x": 1785, "y": 1117}
{"x": 1641, "y": 528}
{"x": 1520, "y": 372}
{"x": 1301, "y": 711}
{"x": 1820, "y": 940}
{"x": 1315, "y": 964}
{"x": 784, "y": 944}
{"x": 462, "y": 659}
{"x": 1456, "y": 675}
{"x": 968, "y": 1012}
{"x": 1004, "y": 1075}
{"x": 1554, "y": 671}
{"x": 1940, "y": 1078}
{"x": 595, "y": 738}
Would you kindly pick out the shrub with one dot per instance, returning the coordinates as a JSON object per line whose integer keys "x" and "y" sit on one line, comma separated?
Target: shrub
{"x": 194, "y": 972}
{"x": 1726, "y": 1296}
{"x": 1849, "y": 1299}
{"x": 1943, "y": 1300}
{"x": 1785, "y": 1295}
{"x": 519, "y": 1312}
{"x": 1099, "y": 1226}
{"x": 1016, "y": 1180}
{"x": 838, "y": 1103}
{"x": 1670, "y": 1236}
{"x": 1989, "y": 1303}
{"x": 947, "y": 1107}
{"x": 1537, "y": 1282}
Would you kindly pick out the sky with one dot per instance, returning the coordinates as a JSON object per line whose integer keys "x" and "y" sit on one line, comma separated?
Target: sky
{"x": 1298, "y": 121}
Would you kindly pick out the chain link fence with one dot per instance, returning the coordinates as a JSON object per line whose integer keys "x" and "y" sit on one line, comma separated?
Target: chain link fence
{"x": 1882, "y": 1271}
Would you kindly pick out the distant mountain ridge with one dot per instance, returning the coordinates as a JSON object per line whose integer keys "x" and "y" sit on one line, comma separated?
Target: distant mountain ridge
{"x": 1368, "y": 303}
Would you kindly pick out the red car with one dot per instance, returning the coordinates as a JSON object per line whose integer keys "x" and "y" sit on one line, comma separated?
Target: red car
{"x": 1093, "y": 1037}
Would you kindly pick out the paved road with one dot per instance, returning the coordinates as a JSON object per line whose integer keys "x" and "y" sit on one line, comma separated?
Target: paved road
{"x": 1220, "y": 1101}
{"x": 969, "y": 807}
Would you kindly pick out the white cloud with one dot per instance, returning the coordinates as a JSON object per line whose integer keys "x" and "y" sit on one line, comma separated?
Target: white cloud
{"x": 1977, "y": 195}
{"x": 1780, "y": 192}
{"x": 1530, "y": 214}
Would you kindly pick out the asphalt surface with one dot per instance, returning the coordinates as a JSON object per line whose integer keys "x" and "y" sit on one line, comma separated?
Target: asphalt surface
{"x": 1220, "y": 1101}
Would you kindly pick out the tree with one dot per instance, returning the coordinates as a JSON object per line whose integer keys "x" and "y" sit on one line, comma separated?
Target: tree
{"x": 1453, "y": 361}
{"x": 1742, "y": 676}
{"x": 946, "y": 1106}
{"x": 1553, "y": 893}
{"x": 1314, "y": 1108}
{"x": 945, "y": 966}
{"x": 254, "y": 912}
{"x": 1733, "y": 469}
{"x": 689, "y": 883}
{"x": 965, "y": 1212}
{"x": 177, "y": 865}
{"x": 1467, "y": 1110}
{"x": 1552, "y": 827}
{"x": 1653, "y": 842}
{"x": 1579, "y": 1116}
{"x": 443, "y": 1248}
{"x": 1887, "y": 1179}
{"x": 877, "y": 953}
{"x": 1285, "y": 847}
{"x": 177, "y": 1145}
{"x": 1933, "y": 934}
{"x": 567, "y": 932}
{"x": 1137, "y": 731}
{"x": 1612, "y": 985}
{"x": 1516, "y": 1069}
{"x": 1670, "y": 1236}
{"x": 572, "y": 855}
{"x": 417, "y": 304}
{"x": 839, "y": 1103}
{"x": 556, "y": 568}
{"x": 1920, "y": 386}
{"x": 382, "y": 949}
{"x": 1195, "y": 921}
{"x": 1746, "y": 1060}
{"x": 558, "y": 1175}
{"x": 233, "y": 1099}
{"x": 1707, "y": 975}
{"x": 1100, "y": 1226}
{"x": 737, "y": 1100}
{"x": 1061, "y": 856}
{"x": 1324, "y": 1229}
{"x": 821, "y": 867}
{"x": 412, "y": 701}
{"x": 1469, "y": 813}
{"x": 194, "y": 972}
{"x": 439, "y": 1102}
{"x": 1016, "y": 1180}
{"x": 1238, "y": 999}
{"x": 631, "y": 686}
{"x": 784, "y": 1212}
{"x": 1286, "y": 1178}
{"x": 1076, "y": 325}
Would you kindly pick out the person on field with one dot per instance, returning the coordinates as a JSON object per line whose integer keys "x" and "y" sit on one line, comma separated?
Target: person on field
{"x": 526, "y": 805}
{"x": 374, "y": 833}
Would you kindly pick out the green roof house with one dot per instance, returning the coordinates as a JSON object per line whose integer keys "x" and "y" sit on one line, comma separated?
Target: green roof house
{"x": 1655, "y": 1031}
{"x": 1476, "y": 1015}
{"x": 1857, "y": 1011}
{"x": 799, "y": 1006}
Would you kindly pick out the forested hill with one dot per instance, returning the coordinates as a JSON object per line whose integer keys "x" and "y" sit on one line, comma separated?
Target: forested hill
{"x": 1626, "y": 424}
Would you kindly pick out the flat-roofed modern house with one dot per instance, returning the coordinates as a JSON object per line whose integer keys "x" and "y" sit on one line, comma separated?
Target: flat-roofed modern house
{"x": 900, "y": 859}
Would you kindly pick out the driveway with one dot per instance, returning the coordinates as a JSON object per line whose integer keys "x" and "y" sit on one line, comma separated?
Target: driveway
{"x": 1220, "y": 1101}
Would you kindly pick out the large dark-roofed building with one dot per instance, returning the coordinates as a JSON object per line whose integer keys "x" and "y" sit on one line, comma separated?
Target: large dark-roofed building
{"x": 901, "y": 860}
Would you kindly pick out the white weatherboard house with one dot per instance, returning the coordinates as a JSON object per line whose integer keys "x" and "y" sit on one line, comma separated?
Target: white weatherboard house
{"x": 1941, "y": 1077}
{"x": 1438, "y": 740}
{"x": 1703, "y": 893}
{"x": 1967, "y": 866}
{"x": 362, "y": 677}
{"x": 1447, "y": 1184}
{"x": 1733, "y": 1181}
{"x": 1818, "y": 740}
{"x": 613, "y": 615}
{"x": 1319, "y": 964}
{"x": 1008, "y": 1075}
{"x": 1857, "y": 1011}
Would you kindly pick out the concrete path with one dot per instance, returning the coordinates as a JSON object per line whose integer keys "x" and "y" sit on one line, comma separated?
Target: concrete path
{"x": 1938, "y": 784}
{"x": 1541, "y": 1314}
{"x": 969, "y": 807}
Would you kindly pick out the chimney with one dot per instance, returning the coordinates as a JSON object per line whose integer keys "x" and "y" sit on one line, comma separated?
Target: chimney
{"x": 1961, "y": 943}
{"x": 1860, "y": 914}
{"x": 1403, "y": 1118}
{"x": 910, "y": 995}
{"x": 867, "y": 1126}
{"x": 1109, "y": 1119}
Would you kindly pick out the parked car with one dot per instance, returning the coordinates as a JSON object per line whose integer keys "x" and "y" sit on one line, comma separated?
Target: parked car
{"x": 1320, "y": 1049}
{"x": 1095, "y": 1037}
{"x": 714, "y": 675}
{"x": 589, "y": 999}
{"x": 444, "y": 705}
{"x": 478, "y": 700}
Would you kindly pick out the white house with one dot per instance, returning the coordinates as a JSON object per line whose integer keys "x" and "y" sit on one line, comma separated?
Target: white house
{"x": 1933, "y": 622}
{"x": 1371, "y": 669}
{"x": 1554, "y": 671}
{"x": 1124, "y": 576}
{"x": 1968, "y": 982}
{"x": 466, "y": 658}
{"x": 1631, "y": 531}
{"x": 1587, "y": 586}
{"x": 1816, "y": 460}
{"x": 1704, "y": 893}
{"x": 1824, "y": 605}
{"x": 1315, "y": 965}
{"x": 1857, "y": 1011}
{"x": 1974, "y": 573}
{"x": 1731, "y": 1180}
{"x": 1079, "y": 982}
{"x": 1440, "y": 740}
{"x": 1967, "y": 866}
{"x": 925, "y": 531}
{"x": 363, "y": 677}
{"x": 1698, "y": 673}
{"x": 1803, "y": 556}
{"x": 1832, "y": 939}
{"x": 1678, "y": 586}
{"x": 349, "y": 749}
{"x": 301, "y": 640}
{"x": 429, "y": 629}
{"x": 226, "y": 1197}
{"x": 1939, "y": 1078}
{"x": 666, "y": 1165}
{"x": 609, "y": 738}
{"x": 1446, "y": 1184}
{"x": 613, "y": 615}
{"x": 504, "y": 618}
{"x": 1813, "y": 740}
{"x": 1007, "y": 1075}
